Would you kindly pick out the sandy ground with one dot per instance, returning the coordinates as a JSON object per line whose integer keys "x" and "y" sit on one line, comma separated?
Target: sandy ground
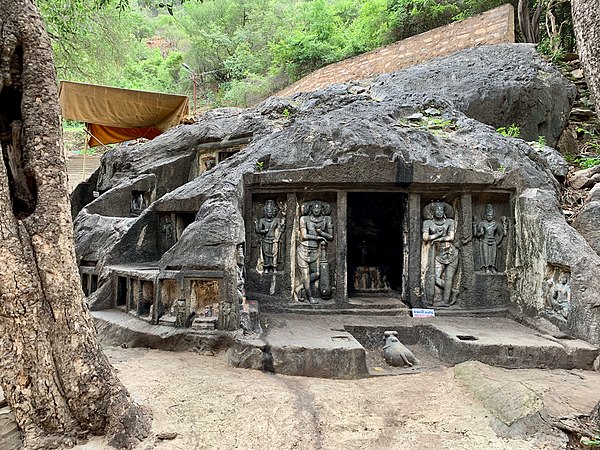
{"x": 211, "y": 405}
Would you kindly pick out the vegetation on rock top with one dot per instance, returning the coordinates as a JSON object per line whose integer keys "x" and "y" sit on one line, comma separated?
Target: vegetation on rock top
{"x": 241, "y": 51}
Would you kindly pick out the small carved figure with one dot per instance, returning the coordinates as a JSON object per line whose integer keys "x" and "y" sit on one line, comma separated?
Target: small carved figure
{"x": 240, "y": 269}
{"x": 180, "y": 313}
{"x": 440, "y": 253}
{"x": 395, "y": 353}
{"x": 270, "y": 228}
{"x": 137, "y": 203}
{"x": 169, "y": 232}
{"x": 316, "y": 230}
{"x": 228, "y": 319}
{"x": 491, "y": 234}
{"x": 209, "y": 163}
{"x": 559, "y": 296}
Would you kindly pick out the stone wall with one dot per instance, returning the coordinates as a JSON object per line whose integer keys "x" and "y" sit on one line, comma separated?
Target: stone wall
{"x": 492, "y": 27}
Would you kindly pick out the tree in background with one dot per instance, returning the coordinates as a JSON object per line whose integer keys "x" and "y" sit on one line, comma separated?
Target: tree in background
{"x": 241, "y": 51}
{"x": 587, "y": 32}
{"x": 54, "y": 375}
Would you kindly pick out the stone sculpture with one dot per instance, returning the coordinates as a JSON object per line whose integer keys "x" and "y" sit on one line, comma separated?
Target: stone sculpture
{"x": 316, "y": 230}
{"x": 180, "y": 313}
{"x": 241, "y": 276}
{"x": 270, "y": 228}
{"x": 395, "y": 353}
{"x": 490, "y": 234}
{"x": 439, "y": 255}
{"x": 558, "y": 296}
{"x": 138, "y": 204}
{"x": 168, "y": 232}
{"x": 228, "y": 317}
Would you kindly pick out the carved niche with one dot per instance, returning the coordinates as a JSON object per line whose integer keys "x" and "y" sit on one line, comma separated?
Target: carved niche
{"x": 439, "y": 255}
{"x": 489, "y": 233}
{"x": 557, "y": 293}
{"x": 270, "y": 228}
{"x": 315, "y": 231}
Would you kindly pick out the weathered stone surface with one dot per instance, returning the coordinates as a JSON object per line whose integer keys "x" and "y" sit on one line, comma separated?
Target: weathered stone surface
{"x": 530, "y": 403}
{"x": 546, "y": 239}
{"x": 552, "y": 159}
{"x": 10, "y": 437}
{"x": 118, "y": 329}
{"x": 585, "y": 178}
{"x": 498, "y": 85}
{"x": 359, "y": 134}
{"x": 587, "y": 222}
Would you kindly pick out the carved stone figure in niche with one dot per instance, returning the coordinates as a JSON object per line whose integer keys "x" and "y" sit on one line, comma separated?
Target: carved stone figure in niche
{"x": 270, "y": 228}
{"x": 558, "y": 296}
{"x": 138, "y": 203}
{"x": 490, "y": 234}
{"x": 370, "y": 279}
{"x": 209, "y": 163}
{"x": 169, "y": 232}
{"x": 440, "y": 255}
{"x": 180, "y": 313}
{"x": 316, "y": 230}
{"x": 228, "y": 318}
{"x": 241, "y": 276}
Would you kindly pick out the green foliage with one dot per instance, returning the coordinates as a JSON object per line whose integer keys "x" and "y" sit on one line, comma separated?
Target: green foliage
{"x": 510, "y": 131}
{"x": 556, "y": 31}
{"x": 238, "y": 51}
{"x": 589, "y": 162}
{"x": 245, "y": 92}
{"x": 313, "y": 42}
{"x": 72, "y": 125}
{"x": 153, "y": 71}
{"x": 412, "y": 17}
{"x": 593, "y": 442}
{"x": 541, "y": 141}
{"x": 435, "y": 125}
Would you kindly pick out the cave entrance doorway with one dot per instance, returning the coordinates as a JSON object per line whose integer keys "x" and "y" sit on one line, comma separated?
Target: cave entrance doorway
{"x": 375, "y": 249}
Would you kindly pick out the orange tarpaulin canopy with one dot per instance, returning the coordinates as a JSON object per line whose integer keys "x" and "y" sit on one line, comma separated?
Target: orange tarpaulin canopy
{"x": 115, "y": 115}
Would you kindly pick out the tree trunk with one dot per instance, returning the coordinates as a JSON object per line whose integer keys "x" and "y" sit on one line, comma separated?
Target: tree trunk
{"x": 529, "y": 24}
{"x": 587, "y": 34}
{"x": 57, "y": 380}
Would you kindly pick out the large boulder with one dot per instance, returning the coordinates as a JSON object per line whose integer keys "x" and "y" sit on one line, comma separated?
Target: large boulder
{"x": 424, "y": 126}
{"x": 499, "y": 85}
{"x": 587, "y": 222}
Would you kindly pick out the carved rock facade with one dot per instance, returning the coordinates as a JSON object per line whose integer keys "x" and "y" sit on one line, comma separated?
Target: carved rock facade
{"x": 378, "y": 159}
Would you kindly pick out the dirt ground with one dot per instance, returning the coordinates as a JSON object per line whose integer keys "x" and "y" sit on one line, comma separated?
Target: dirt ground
{"x": 211, "y": 405}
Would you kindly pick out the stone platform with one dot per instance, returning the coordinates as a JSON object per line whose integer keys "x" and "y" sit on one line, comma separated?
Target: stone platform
{"x": 348, "y": 346}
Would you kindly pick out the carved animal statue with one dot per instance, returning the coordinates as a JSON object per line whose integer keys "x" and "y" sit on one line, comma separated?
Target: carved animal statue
{"x": 395, "y": 353}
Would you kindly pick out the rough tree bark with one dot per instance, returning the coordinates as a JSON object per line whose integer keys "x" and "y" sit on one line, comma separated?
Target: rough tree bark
{"x": 529, "y": 23}
{"x": 587, "y": 34}
{"x": 54, "y": 374}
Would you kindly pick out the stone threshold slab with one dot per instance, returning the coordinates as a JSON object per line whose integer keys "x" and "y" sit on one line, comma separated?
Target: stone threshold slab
{"x": 335, "y": 346}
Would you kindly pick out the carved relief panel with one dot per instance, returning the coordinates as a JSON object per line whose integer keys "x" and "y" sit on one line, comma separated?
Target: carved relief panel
{"x": 489, "y": 231}
{"x": 315, "y": 232}
{"x": 270, "y": 229}
{"x": 439, "y": 255}
{"x": 557, "y": 293}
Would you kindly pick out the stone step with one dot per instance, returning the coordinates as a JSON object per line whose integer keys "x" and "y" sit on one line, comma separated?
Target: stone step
{"x": 379, "y": 310}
